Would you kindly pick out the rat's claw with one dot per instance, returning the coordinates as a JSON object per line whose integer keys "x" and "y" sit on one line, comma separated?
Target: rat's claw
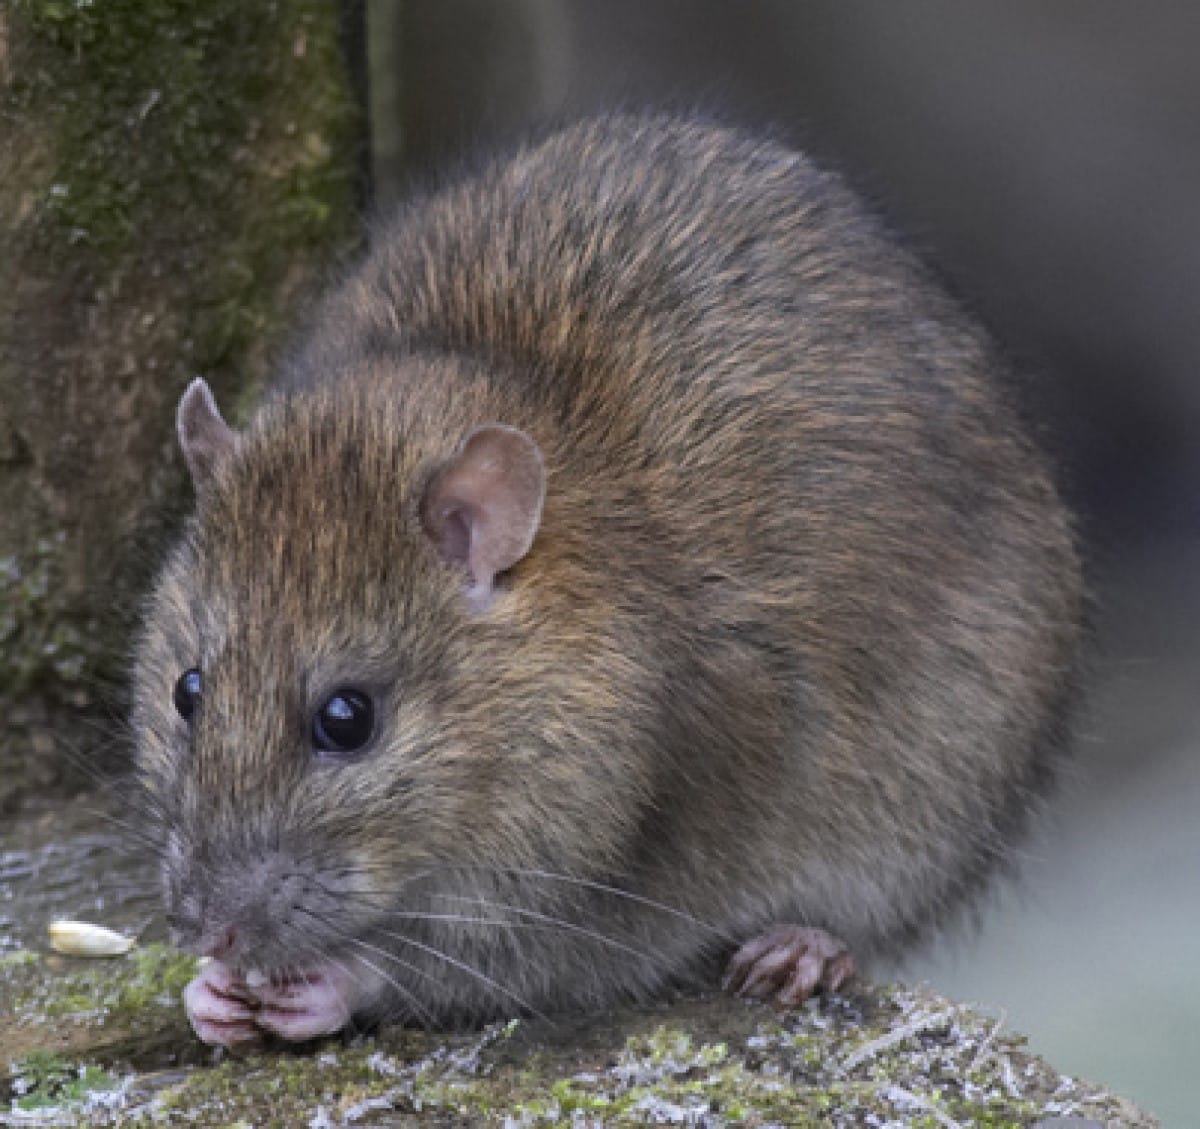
{"x": 220, "y": 1009}
{"x": 318, "y": 1002}
{"x": 788, "y": 964}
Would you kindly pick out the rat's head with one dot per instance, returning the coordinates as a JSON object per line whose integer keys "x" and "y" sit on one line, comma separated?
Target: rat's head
{"x": 342, "y": 684}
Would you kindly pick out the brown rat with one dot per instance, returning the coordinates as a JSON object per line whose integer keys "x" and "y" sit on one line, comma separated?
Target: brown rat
{"x": 640, "y": 557}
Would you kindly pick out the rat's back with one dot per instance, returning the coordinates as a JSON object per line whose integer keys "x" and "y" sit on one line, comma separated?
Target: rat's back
{"x": 772, "y": 434}
{"x": 746, "y": 385}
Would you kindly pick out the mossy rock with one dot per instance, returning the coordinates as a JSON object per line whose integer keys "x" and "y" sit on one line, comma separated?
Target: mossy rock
{"x": 105, "y": 1043}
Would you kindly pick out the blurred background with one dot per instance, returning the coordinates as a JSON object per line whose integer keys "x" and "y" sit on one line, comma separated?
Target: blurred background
{"x": 1046, "y": 158}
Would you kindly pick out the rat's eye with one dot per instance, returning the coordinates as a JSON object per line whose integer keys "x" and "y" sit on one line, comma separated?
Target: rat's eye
{"x": 344, "y": 723}
{"x": 187, "y": 693}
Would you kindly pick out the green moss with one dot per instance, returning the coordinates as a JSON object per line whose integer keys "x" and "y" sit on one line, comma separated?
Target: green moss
{"x": 34, "y": 642}
{"x": 43, "y": 1080}
{"x": 571, "y": 1097}
{"x": 221, "y": 133}
{"x": 272, "y": 1089}
{"x": 161, "y": 103}
{"x": 122, "y": 991}
{"x": 158, "y": 971}
{"x": 719, "y": 1062}
{"x": 20, "y": 958}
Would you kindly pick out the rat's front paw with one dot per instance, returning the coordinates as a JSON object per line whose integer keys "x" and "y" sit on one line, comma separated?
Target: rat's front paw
{"x": 303, "y": 1005}
{"x": 221, "y": 1008}
{"x": 789, "y": 963}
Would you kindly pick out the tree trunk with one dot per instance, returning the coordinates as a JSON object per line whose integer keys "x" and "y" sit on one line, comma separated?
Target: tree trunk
{"x": 174, "y": 174}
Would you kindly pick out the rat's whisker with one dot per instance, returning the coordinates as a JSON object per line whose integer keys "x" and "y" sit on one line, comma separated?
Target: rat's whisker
{"x": 544, "y": 924}
{"x": 592, "y": 884}
{"x": 616, "y": 891}
{"x": 463, "y": 966}
{"x": 454, "y": 919}
{"x": 384, "y": 909}
{"x": 423, "y": 1013}
{"x": 85, "y": 763}
{"x": 323, "y": 955}
{"x": 343, "y": 936}
{"x": 137, "y": 834}
{"x": 551, "y": 921}
{"x": 107, "y": 780}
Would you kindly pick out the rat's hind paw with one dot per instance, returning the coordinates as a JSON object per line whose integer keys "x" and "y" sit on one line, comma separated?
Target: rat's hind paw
{"x": 789, "y": 963}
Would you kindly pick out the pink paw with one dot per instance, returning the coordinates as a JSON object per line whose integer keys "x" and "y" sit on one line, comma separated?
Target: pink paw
{"x": 308, "y": 1004}
{"x": 789, "y": 963}
{"x": 230, "y": 1011}
{"x": 221, "y": 1009}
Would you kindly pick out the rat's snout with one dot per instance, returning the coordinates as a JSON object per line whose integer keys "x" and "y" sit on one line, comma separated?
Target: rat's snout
{"x": 212, "y": 920}
{"x": 235, "y": 933}
{"x": 251, "y": 907}
{"x": 240, "y": 924}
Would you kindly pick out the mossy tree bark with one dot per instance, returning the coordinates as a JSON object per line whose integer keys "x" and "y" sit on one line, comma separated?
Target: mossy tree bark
{"x": 175, "y": 174}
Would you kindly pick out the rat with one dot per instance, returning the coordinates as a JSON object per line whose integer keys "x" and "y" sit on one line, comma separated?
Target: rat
{"x": 637, "y": 568}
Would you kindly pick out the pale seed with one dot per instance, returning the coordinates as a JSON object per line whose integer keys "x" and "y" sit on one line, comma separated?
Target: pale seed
{"x": 82, "y": 939}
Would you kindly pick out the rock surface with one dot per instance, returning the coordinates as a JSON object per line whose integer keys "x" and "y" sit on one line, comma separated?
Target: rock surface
{"x": 106, "y": 1043}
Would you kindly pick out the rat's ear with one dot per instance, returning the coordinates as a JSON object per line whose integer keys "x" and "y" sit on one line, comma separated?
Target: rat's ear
{"x": 204, "y": 437}
{"x": 483, "y": 507}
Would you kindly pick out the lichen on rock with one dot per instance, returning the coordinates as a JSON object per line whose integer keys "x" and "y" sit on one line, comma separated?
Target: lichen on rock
{"x": 874, "y": 1056}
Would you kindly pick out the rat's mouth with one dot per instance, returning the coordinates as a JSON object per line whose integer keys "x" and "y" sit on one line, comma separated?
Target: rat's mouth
{"x": 279, "y": 979}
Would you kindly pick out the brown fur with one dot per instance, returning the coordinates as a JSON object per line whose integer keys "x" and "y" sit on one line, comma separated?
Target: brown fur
{"x": 789, "y": 645}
